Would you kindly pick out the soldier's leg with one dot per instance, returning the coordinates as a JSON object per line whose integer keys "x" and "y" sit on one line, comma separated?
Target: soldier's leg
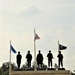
{"x": 38, "y": 64}
{"x": 62, "y": 64}
{"x": 51, "y": 63}
{"x": 59, "y": 63}
{"x": 17, "y": 65}
{"x": 28, "y": 63}
{"x": 48, "y": 63}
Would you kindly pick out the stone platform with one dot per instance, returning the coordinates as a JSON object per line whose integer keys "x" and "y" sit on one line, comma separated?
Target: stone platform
{"x": 43, "y": 72}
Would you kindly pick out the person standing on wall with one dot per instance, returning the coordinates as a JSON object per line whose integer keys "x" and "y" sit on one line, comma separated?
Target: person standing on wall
{"x": 29, "y": 58}
{"x": 50, "y": 57}
{"x": 60, "y": 59}
{"x": 18, "y": 59}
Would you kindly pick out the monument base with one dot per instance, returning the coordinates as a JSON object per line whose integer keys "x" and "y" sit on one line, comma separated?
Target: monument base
{"x": 41, "y": 68}
{"x": 29, "y": 69}
{"x": 48, "y": 72}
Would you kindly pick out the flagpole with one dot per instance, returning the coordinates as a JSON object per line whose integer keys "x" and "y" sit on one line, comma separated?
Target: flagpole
{"x": 10, "y": 61}
{"x": 58, "y": 46}
{"x": 34, "y": 51}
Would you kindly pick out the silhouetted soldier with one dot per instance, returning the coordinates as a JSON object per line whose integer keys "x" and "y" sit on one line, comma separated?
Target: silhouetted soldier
{"x": 39, "y": 59}
{"x": 19, "y": 57}
{"x": 60, "y": 59}
{"x": 50, "y": 56}
{"x": 29, "y": 58}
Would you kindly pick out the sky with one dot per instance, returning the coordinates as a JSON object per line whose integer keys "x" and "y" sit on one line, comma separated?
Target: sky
{"x": 53, "y": 20}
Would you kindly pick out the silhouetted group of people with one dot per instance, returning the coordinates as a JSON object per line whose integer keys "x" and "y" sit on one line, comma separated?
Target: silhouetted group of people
{"x": 39, "y": 59}
{"x": 28, "y": 57}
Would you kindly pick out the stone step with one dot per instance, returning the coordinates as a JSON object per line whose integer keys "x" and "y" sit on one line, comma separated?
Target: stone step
{"x": 48, "y": 72}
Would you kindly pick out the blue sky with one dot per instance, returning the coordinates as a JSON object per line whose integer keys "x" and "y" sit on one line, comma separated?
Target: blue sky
{"x": 53, "y": 20}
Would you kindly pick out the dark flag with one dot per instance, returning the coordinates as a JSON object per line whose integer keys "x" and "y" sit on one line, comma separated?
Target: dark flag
{"x": 61, "y": 47}
{"x": 12, "y": 49}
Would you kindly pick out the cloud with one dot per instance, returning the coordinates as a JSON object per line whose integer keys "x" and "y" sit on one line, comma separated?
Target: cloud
{"x": 29, "y": 11}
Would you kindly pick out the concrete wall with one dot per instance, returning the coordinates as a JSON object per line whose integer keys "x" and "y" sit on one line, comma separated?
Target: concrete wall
{"x": 50, "y": 72}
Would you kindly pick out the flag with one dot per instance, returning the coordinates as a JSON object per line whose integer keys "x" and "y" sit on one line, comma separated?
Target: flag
{"x": 36, "y": 37}
{"x": 61, "y": 47}
{"x": 12, "y": 49}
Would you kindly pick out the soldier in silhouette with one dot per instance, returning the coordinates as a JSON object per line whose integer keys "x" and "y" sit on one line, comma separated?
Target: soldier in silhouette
{"x": 39, "y": 59}
{"x": 60, "y": 59}
{"x": 19, "y": 57}
{"x": 50, "y": 56}
{"x": 29, "y": 58}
